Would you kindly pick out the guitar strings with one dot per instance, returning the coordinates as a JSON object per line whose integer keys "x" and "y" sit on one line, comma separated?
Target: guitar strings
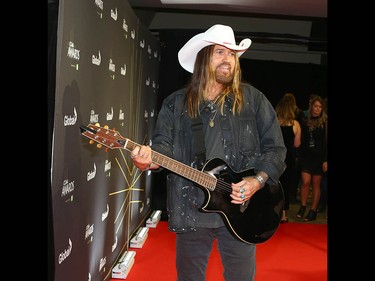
{"x": 223, "y": 187}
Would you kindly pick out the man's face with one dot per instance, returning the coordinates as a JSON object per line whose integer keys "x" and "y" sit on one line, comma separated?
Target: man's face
{"x": 223, "y": 62}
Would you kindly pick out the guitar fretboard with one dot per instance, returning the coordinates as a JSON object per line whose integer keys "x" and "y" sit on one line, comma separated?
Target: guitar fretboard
{"x": 177, "y": 167}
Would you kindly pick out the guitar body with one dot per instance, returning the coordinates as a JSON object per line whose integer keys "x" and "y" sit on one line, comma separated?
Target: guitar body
{"x": 253, "y": 223}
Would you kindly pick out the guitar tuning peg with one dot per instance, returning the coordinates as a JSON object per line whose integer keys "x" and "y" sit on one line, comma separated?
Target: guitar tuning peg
{"x": 91, "y": 142}
{"x": 99, "y": 145}
{"x": 105, "y": 127}
{"x": 97, "y": 124}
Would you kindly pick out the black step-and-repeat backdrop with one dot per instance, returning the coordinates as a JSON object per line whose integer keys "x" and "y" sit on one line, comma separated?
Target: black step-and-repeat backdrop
{"x": 107, "y": 68}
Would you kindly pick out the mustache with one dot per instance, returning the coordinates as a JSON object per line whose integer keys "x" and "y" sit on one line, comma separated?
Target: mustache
{"x": 224, "y": 64}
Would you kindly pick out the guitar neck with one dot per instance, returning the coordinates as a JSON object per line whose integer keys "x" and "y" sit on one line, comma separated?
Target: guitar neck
{"x": 112, "y": 139}
{"x": 177, "y": 167}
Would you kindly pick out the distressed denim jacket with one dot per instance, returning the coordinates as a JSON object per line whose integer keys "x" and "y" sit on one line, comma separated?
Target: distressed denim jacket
{"x": 251, "y": 140}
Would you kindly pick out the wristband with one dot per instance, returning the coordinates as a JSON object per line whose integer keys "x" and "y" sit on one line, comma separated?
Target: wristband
{"x": 260, "y": 179}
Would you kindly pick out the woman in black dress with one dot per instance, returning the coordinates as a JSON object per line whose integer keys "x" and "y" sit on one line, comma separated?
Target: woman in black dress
{"x": 291, "y": 129}
{"x": 312, "y": 156}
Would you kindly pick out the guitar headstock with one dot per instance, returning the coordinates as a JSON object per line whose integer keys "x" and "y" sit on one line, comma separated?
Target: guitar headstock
{"x": 104, "y": 136}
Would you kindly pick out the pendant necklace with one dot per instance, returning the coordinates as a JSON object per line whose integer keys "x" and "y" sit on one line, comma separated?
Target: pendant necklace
{"x": 211, "y": 123}
{"x": 213, "y": 108}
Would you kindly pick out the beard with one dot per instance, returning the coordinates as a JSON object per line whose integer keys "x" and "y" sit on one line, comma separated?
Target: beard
{"x": 223, "y": 78}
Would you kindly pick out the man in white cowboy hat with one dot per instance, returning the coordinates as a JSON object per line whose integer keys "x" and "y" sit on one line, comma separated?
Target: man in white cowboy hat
{"x": 235, "y": 198}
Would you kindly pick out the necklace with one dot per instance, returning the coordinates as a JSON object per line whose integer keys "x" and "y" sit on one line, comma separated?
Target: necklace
{"x": 212, "y": 106}
{"x": 212, "y": 123}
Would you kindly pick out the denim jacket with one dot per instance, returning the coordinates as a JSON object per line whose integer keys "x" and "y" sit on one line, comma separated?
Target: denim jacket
{"x": 252, "y": 140}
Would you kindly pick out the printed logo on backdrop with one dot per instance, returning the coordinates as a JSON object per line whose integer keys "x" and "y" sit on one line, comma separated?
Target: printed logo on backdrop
{"x": 149, "y": 115}
{"x": 141, "y": 208}
{"x": 114, "y": 245}
{"x": 125, "y": 27}
{"x": 102, "y": 263}
{"x": 110, "y": 114}
{"x": 67, "y": 188}
{"x": 94, "y": 118}
{"x": 96, "y": 60}
{"x": 111, "y": 68}
{"x": 91, "y": 174}
{"x": 99, "y": 4}
{"x": 65, "y": 253}
{"x": 149, "y": 51}
{"x": 70, "y": 120}
{"x": 121, "y": 117}
{"x": 114, "y": 14}
{"x": 107, "y": 168}
{"x": 89, "y": 233}
{"x": 73, "y": 53}
{"x": 105, "y": 213}
{"x": 123, "y": 70}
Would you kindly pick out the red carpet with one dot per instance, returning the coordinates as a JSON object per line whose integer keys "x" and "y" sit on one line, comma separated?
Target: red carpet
{"x": 296, "y": 252}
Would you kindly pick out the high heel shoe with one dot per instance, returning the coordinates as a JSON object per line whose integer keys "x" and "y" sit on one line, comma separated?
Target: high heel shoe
{"x": 284, "y": 218}
{"x": 310, "y": 216}
{"x": 301, "y": 212}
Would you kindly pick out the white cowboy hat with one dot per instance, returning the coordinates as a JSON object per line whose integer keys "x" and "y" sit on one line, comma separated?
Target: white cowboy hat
{"x": 217, "y": 34}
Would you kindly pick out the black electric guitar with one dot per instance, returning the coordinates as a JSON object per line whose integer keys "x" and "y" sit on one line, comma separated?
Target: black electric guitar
{"x": 253, "y": 223}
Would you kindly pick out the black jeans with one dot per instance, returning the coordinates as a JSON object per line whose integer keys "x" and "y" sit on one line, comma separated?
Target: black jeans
{"x": 193, "y": 250}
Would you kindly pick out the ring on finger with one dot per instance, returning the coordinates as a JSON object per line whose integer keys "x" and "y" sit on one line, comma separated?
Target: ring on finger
{"x": 242, "y": 196}
{"x": 242, "y": 190}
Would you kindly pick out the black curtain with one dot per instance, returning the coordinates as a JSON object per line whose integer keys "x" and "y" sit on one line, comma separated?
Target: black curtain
{"x": 276, "y": 78}
{"x": 53, "y": 7}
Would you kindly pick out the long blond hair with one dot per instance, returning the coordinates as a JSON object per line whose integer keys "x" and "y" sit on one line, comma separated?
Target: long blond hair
{"x": 285, "y": 112}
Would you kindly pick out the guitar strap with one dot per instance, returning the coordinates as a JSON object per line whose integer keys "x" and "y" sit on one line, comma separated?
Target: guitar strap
{"x": 198, "y": 141}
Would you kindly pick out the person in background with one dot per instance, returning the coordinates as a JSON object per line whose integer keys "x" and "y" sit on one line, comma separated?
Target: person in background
{"x": 291, "y": 129}
{"x": 240, "y": 126}
{"x": 312, "y": 156}
{"x": 298, "y": 116}
{"x": 322, "y": 206}
{"x": 298, "y": 112}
